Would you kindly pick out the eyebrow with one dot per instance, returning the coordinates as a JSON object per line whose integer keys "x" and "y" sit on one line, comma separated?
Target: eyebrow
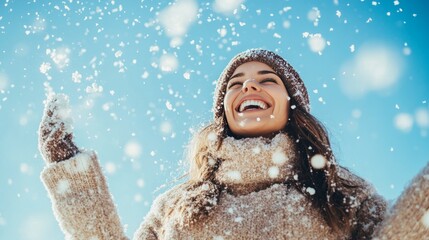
{"x": 266, "y": 72}
{"x": 262, "y": 72}
{"x": 236, "y": 75}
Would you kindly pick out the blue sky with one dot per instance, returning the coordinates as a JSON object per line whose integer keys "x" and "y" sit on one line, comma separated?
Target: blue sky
{"x": 140, "y": 76}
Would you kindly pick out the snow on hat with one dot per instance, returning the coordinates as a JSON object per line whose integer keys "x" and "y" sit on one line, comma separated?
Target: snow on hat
{"x": 292, "y": 81}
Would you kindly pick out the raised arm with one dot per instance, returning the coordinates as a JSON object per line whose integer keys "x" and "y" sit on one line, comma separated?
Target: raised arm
{"x": 409, "y": 217}
{"x": 73, "y": 178}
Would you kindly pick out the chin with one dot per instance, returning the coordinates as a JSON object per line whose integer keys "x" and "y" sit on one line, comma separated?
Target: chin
{"x": 257, "y": 130}
{"x": 253, "y": 128}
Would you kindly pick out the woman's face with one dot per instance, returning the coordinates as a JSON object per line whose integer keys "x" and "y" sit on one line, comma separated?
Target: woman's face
{"x": 256, "y": 101}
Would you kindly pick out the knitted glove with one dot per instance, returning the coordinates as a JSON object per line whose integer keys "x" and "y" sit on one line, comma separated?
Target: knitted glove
{"x": 55, "y": 131}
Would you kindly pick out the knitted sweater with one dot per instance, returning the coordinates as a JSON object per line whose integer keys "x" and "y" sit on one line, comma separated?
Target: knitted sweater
{"x": 257, "y": 204}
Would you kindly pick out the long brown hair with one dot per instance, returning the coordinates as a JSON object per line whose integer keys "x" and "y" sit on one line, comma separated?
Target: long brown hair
{"x": 332, "y": 193}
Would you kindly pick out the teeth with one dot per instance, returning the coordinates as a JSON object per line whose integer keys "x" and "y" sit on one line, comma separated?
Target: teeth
{"x": 247, "y": 103}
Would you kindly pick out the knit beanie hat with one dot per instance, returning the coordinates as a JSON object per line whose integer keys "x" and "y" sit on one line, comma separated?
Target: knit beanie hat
{"x": 292, "y": 81}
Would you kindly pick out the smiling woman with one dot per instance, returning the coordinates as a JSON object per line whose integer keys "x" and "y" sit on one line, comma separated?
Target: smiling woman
{"x": 262, "y": 169}
{"x": 261, "y": 110}
{"x": 256, "y": 101}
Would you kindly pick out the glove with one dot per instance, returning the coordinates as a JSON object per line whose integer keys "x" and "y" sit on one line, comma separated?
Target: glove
{"x": 55, "y": 130}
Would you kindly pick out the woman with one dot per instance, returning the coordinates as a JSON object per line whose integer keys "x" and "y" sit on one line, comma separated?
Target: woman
{"x": 263, "y": 169}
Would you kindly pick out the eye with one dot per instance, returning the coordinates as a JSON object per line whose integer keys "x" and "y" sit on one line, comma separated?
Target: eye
{"x": 269, "y": 81}
{"x": 234, "y": 85}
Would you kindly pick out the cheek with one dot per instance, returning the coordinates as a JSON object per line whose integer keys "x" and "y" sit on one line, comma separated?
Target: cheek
{"x": 283, "y": 105}
{"x": 225, "y": 104}
{"x": 228, "y": 102}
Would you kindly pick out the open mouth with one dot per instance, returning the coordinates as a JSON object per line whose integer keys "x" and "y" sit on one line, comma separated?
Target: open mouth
{"x": 251, "y": 105}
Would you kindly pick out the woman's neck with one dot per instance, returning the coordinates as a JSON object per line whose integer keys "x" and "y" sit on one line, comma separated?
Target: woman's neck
{"x": 251, "y": 164}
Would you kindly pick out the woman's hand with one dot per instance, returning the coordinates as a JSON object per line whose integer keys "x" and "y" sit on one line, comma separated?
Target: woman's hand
{"x": 55, "y": 130}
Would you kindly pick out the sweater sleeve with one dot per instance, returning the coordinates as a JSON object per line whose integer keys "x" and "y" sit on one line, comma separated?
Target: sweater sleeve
{"x": 149, "y": 228}
{"x": 369, "y": 215}
{"x": 81, "y": 200}
{"x": 152, "y": 226}
{"x": 409, "y": 217}
{"x": 160, "y": 218}
{"x": 368, "y": 207}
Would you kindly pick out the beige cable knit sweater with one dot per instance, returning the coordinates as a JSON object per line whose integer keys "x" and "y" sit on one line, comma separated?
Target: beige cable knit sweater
{"x": 257, "y": 205}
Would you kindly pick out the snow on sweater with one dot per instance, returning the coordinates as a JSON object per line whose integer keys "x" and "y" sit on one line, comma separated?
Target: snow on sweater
{"x": 264, "y": 209}
{"x": 81, "y": 200}
{"x": 257, "y": 205}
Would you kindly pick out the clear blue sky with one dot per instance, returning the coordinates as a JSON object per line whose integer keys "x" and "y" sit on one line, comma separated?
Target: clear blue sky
{"x": 140, "y": 76}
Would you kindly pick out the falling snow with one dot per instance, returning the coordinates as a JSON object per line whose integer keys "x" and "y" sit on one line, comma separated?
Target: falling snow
{"x": 279, "y": 157}
{"x": 318, "y": 161}
{"x": 315, "y": 41}
{"x": 373, "y": 68}
{"x": 76, "y": 77}
{"x": 133, "y": 149}
{"x": 273, "y": 172}
{"x": 425, "y": 219}
{"x": 227, "y": 7}
{"x": 168, "y": 63}
{"x": 110, "y": 168}
{"x": 63, "y": 186}
{"x": 234, "y": 175}
{"x": 140, "y": 76}
{"x": 404, "y": 122}
{"x": 422, "y": 118}
{"x": 310, "y": 190}
{"x": 177, "y": 18}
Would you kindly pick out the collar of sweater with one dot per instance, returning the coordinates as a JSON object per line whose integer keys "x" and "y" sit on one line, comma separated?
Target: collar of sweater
{"x": 252, "y": 164}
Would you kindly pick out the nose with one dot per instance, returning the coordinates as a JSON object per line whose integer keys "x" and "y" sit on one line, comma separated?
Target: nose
{"x": 250, "y": 85}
